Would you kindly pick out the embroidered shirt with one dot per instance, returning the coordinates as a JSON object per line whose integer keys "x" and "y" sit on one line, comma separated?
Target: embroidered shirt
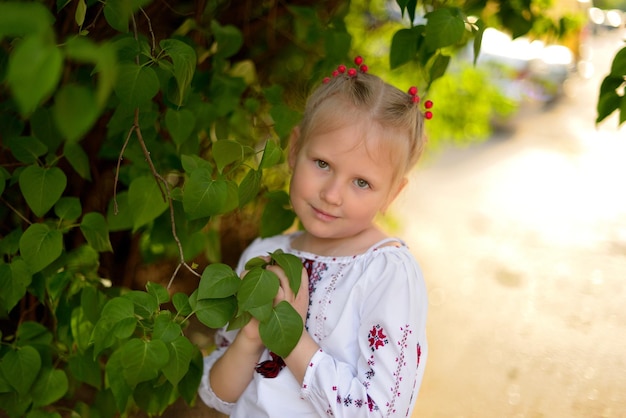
{"x": 368, "y": 314}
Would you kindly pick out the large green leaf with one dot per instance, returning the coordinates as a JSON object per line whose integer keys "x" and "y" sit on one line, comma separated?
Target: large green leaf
{"x": 49, "y": 387}
{"x": 68, "y": 208}
{"x": 227, "y": 152}
{"x": 26, "y": 149}
{"x": 249, "y": 186}
{"x": 272, "y": 154}
{"x": 214, "y": 313}
{"x": 180, "y": 124}
{"x": 165, "y": 329}
{"x": 292, "y": 266}
{"x": 40, "y": 246}
{"x": 14, "y": 280}
{"x": 25, "y": 18}
{"x": 117, "y": 382}
{"x": 142, "y": 360}
{"x": 443, "y": 29}
{"x": 218, "y": 281}
{"x": 205, "y": 196}
{"x": 42, "y": 187}
{"x": 258, "y": 287}
{"x": 33, "y": 73}
{"x": 123, "y": 219}
{"x": 96, "y": 232}
{"x": 184, "y": 64}
{"x": 145, "y": 304}
{"x": 181, "y": 352}
{"x": 86, "y": 369}
{"x": 135, "y": 84}
{"x": 20, "y": 368}
{"x": 277, "y": 215}
{"x": 145, "y": 201}
{"x": 81, "y": 329}
{"x": 283, "y": 330}
{"x": 404, "y": 46}
{"x": 75, "y": 111}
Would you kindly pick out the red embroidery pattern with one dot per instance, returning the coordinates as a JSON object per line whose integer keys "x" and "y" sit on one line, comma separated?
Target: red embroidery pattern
{"x": 377, "y": 338}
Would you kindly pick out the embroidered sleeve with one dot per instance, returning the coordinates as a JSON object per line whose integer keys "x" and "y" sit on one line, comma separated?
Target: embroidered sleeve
{"x": 391, "y": 350}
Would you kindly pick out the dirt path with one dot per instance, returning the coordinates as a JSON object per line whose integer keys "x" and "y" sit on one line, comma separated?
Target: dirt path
{"x": 523, "y": 244}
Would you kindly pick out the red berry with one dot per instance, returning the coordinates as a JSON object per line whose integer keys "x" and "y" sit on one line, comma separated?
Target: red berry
{"x": 326, "y": 80}
{"x": 341, "y": 68}
{"x": 352, "y": 72}
{"x": 428, "y": 114}
{"x": 363, "y": 68}
{"x": 335, "y": 73}
{"x": 358, "y": 60}
{"x": 415, "y": 99}
{"x": 428, "y": 104}
{"x": 413, "y": 91}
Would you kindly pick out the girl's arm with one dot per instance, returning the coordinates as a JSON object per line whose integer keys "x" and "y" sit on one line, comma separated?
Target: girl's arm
{"x": 233, "y": 371}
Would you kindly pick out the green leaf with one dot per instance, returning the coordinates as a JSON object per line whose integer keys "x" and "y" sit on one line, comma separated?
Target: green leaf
{"x": 18, "y": 19}
{"x": 26, "y": 149}
{"x": 81, "y": 328}
{"x": 145, "y": 201}
{"x": 33, "y": 333}
{"x": 145, "y": 305}
{"x": 258, "y": 287}
{"x": 124, "y": 218}
{"x": 283, "y": 330}
{"x": 272, "y": 155}
{"x": 86, "y": 369}
{"x": 180, "y": 124}
{"x": 292, "y": 266}
{"x": 277, "y": 215}
{"x": 181, "y": 303}
{"x": 14, "y": 280}
{"x": 618, "y": 67}
{"x": 42, "y": 187}
{"x": 218, "y": 281}
{"x": 228, "y": 39}
{"x": 75, "y": 111}
{"x": 142, "y": 360}
{"x": 79, "y": 14}
{"x": 117, "y": 14}
{"x": 42, "y": 127}
{"x": 262, "y": 313}
{"x": 184, "y": 59}
{"x": 159, "y": 292}
{"x": 136, "y": 85}
{"x": 33, "y": 72}
{"x": 609, "y": 99}
{"x": 227, "y": 152}
{"x": 49, "y": 387}
{"x": 214, "y": 313}
{"x": 249, "y": 187}
{"x": 438, "y": 67}
{"x": 95, "y": 230}
{"x": 443, "y": 29}
{"x": 207, "y": 197}
{"x": 68, "y": 208}
{"x": 181, "y": 352}
{"x": 40, "y": 246}
{"x": 78, "y": 159}
{"x": 20, "y": 368}
{"x": 165, "y": 329}
{"x": 188, "y": 386}
{"x": 255, "y": 262}
{"x": 115, "y": 377}
{"x": 404, "y": 46}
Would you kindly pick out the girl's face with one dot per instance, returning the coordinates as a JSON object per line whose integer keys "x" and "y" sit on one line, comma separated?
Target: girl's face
{"x": 342, "y": 178}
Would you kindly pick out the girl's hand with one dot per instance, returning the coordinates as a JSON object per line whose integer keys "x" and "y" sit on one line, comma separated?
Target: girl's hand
{"x": 300, "y": 302}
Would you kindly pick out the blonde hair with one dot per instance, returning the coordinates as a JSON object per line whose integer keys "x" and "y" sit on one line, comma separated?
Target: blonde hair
{"x": 367, "y": 95}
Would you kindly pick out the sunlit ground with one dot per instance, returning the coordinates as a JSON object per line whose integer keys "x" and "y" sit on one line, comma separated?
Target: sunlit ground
{"x": 523, "y": 245}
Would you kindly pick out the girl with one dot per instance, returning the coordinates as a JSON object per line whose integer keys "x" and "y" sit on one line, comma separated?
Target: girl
{"x": 363, "y": 298}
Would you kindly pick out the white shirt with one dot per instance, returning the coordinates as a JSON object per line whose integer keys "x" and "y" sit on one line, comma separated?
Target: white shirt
{"x": 368, "y": 314}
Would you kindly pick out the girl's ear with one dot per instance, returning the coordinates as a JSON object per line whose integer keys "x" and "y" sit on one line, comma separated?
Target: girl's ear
{"x": 293, "y": 151}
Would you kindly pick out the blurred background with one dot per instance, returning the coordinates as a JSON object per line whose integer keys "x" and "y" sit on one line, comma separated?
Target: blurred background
{"x": 522, "y": 239}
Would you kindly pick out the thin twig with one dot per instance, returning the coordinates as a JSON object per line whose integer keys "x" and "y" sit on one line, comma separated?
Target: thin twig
{"x": 17, "y": 212}
{"x": 117, "y": 169}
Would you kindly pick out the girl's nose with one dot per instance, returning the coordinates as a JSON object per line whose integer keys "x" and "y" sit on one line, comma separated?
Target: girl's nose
{"x": 331, "y": 192}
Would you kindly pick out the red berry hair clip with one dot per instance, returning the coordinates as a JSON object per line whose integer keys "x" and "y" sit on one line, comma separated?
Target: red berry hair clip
{"x": 351, "y": 72}
{"x": 428, "y": 104}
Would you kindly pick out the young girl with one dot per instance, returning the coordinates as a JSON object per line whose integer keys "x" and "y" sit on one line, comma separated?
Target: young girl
{"x": 363, "y": 298}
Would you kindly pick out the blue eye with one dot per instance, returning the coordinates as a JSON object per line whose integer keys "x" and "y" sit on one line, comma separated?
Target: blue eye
{"x": 361, "y": 184}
